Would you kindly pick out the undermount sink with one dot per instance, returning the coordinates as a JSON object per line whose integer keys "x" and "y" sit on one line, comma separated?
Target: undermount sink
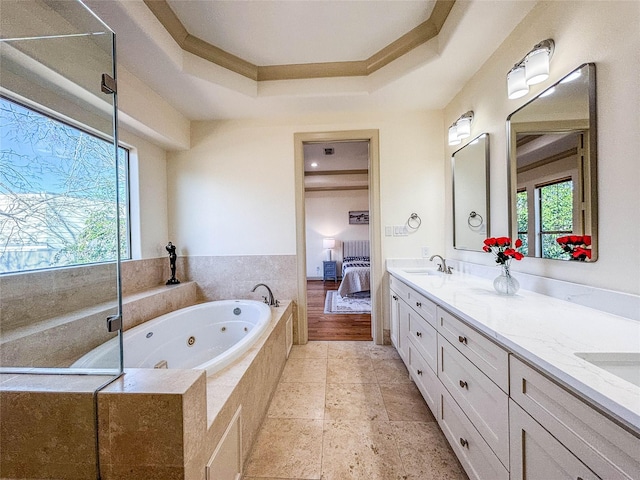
{"x": 625, "y": 365}
{"x": 422, "y": 271}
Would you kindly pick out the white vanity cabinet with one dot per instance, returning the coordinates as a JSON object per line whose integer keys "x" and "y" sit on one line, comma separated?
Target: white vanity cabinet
{"x": 504, "y": 418}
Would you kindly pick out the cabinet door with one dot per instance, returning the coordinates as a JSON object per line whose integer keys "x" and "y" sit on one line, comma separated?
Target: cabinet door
{"x": 537, "y": 455}
{"x": 403, "y": 330}
{"x": 394, "y": 317}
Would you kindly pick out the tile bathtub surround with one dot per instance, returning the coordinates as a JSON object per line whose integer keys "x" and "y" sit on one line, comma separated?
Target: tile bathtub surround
{"x": 355, "y": 414}
{"x": 48, "y": 426}
{"x": 233, "y": 277}
{"x": 221, "y": 278}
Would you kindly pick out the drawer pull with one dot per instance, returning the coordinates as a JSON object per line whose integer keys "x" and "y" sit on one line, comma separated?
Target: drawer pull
{"x": 464, "y": 384}
{"x": 418, "y": 334}
{"x": 462, "y": 339}
{"x": 419, "y": 372}
{"x": 418, "y": 304}
{"x": 464, "y": 443}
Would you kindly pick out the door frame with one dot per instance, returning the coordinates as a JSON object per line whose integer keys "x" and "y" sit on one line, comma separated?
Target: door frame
{"x": 375, "y": 239}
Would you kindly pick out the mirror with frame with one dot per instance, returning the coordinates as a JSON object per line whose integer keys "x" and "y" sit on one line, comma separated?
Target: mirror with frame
{"x": 552, "y": 177}
{"x": 470, "y": 174}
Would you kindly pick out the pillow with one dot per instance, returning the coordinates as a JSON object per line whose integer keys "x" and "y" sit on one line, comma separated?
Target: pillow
{"x": 355, "y": 259}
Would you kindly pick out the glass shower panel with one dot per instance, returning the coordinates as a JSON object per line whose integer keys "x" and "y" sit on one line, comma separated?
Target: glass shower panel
{"x": 62, "y": 191}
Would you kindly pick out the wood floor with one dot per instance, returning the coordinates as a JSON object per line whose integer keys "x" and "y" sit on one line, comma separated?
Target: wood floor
{"x": 323, "y": 326}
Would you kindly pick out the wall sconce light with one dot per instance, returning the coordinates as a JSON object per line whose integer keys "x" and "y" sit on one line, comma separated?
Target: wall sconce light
{"x": 329, "y": 243}
{"x": 532, "y": 69}
{"x": 461, "y": 128}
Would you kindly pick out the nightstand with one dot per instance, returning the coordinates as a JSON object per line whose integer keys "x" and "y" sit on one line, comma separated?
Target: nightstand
{"x": 330, "y": 270}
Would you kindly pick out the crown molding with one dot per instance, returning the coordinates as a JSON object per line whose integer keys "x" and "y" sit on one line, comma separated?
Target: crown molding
{"x": 424, "y": 32}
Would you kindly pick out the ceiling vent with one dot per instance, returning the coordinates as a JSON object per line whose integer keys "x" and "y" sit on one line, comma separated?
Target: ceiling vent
{"x": 328, "y": 151}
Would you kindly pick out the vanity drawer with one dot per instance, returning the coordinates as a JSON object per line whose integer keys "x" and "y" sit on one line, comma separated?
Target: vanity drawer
{"x": 401, "y": 289}
{"x": 473, "y": 452}
{"x": 425, "y": 339}
{"x": 606, "y": 448}
{"x": 482, "y": 401}
{"x": 425, "y": 307}
{"x": 484, "y": 353}
{"x": 425, "y": 378}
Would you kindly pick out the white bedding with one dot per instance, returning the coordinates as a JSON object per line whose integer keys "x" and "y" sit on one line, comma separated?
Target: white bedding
{"x": 355, "y": 277}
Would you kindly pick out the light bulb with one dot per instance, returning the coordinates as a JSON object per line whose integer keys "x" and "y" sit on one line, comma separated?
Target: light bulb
{"x": 516, "y": 83}
{"x": 536, "y": 66}
{"x": 453, "y": 135}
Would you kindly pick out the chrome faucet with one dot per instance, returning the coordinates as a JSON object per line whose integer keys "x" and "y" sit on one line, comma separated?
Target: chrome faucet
{"x": 270, "y": 300}
{"x": 442, "y": 267}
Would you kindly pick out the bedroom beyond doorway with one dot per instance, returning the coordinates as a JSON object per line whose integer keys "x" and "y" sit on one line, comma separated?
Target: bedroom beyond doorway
{"x": 331, "y": 326}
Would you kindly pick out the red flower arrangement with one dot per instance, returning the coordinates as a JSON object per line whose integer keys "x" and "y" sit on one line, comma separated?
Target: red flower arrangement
{"x": 577, "y": 246}
{"x": 501, "y": 248}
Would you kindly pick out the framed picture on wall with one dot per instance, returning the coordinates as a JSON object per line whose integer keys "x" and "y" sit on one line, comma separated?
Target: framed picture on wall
{"x": 359, "y": 217}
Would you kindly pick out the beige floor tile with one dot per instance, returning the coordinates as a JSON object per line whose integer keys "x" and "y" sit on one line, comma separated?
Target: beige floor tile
{"x": 312, "y": 349}
{"x": 380, "y": 352}
{"x": 354, "y": 401}
{"x": 298, "y": 400}
{"x": 305, "y": 370}
{"x": 391, "y": 371}
{"x": 404, "y": 402}
{"x": 350, "y": 370}
{"x": 349, "y": 349}
{"x": 360, "y": 450}
{"x": 269, "y": 478}
{"x": 425, "y": 452}
{"x": 287, "y": 448}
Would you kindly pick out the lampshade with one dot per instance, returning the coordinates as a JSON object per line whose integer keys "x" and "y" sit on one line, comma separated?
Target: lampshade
{"x": 516, "y": 82}
{"x": 453, "y": 135}
{"x": 328, "y": 243}
{"x": 536, "y": 66}
{"x": 463, "y": 127}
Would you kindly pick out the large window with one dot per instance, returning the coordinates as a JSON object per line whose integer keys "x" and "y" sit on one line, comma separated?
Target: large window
{"x": 523, "y": 220}
{"x": 58, "y": 186}
{"x": 556, "y": 216}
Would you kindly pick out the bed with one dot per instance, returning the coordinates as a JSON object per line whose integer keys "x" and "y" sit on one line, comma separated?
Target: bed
{"x": 356, "y": 268}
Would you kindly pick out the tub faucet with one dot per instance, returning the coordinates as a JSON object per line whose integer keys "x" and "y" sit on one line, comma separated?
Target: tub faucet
{"x": 442, "y": 267}
{"x": 270, "y": 300}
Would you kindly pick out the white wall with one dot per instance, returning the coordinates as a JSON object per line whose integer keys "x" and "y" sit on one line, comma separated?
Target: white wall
{"x": 327, "y": 215}
{"x": 148, "y": 191}
{"x": 232, "y": 193}
{"x": 602, "y": 32}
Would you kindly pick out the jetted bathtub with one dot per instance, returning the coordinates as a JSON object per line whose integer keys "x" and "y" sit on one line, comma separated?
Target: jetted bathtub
{"x": 207, "y": 336}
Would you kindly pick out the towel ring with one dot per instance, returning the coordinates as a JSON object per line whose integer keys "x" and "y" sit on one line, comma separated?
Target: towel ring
{"x": 473, "y": 216}
{"x": 414, "y": 221}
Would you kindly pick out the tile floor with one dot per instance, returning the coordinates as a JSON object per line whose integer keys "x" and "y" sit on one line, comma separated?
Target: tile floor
{"x": 348, "y": 410}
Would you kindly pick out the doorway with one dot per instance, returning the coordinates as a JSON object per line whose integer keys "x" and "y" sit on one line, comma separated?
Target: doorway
{"x": 322, "y": 140}
{"x": 336, "y": 219}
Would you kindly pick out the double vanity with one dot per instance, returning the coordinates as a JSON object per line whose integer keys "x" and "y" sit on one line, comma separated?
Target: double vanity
{"x": 523, "y": 387}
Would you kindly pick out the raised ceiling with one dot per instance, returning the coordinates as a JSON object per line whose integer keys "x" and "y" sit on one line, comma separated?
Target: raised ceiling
{"x": 283, "y": 40}
{"x": 291, "y": 32}
{"x": 426, "y": 77}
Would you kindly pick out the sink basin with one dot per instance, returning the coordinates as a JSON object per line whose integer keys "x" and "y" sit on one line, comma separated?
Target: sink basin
{"x": 621, "y": 364}
{"x": 422, "y": 271}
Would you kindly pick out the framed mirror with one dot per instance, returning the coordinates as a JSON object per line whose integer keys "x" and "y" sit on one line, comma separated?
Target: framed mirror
{"x": 552, "y": 177}
{"x": 470, "y": 174}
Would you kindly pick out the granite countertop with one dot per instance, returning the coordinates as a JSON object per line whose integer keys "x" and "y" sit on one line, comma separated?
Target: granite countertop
{"x": 546, "y": 332}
